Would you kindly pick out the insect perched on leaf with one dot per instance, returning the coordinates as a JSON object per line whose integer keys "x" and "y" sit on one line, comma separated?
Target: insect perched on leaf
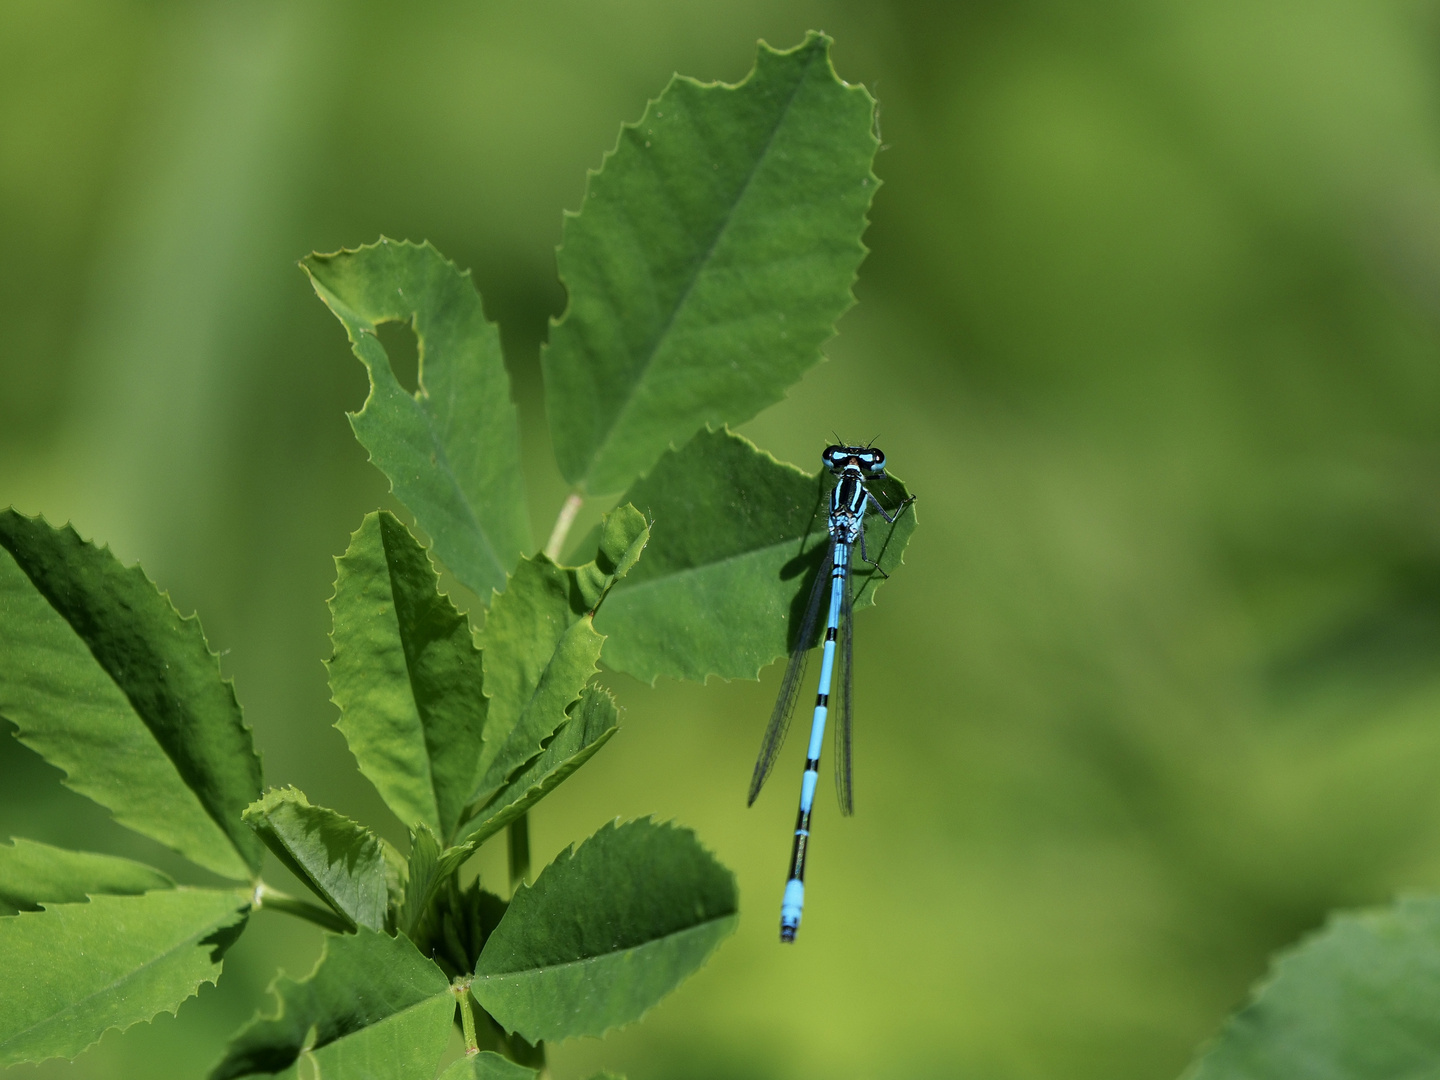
{"x": 852, "y": 466}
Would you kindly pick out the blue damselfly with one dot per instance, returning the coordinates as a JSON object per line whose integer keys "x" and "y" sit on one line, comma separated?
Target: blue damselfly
{"x": 850, "y": 499}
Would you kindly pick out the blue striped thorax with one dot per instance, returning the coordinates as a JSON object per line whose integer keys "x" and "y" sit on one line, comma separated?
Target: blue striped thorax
{"x": 852, "y": 466}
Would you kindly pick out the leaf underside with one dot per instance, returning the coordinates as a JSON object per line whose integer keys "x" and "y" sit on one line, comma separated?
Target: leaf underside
{"x": 373, "y": 1007}
{"x": 712, "y": 255}
{"x": 451, "y": 450}
{"x": 406, "y": 677}
{"x": 606, "y": 931}
{"x": 340, "y": 860}
{"x": 107, "y": 682}
{"x": 74, "y": 971}
{"x": 32, "y": 874}
{"x": 736, "y": 542}
{"x": 1358, "y": 1001}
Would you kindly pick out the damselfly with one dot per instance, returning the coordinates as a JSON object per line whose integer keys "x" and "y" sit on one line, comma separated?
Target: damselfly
{"x": 851, "y": 466}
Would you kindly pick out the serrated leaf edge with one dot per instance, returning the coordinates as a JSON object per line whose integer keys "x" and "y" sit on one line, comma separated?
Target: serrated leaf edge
{"x": 335, "y": 304}
{"x": 242, "y": 913}
{"x": 329, "y": 606}
{"x": 1281, "y": 960}
{"x": 227, "y": 682}
{"x": 569, "y": 853}
{"x": 874, "y": 183}
{"x": 273, "y": 990}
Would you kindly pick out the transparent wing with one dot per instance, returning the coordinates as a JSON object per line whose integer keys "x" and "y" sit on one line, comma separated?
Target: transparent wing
{"x": 844, "y": 706}
{"x": 790, "y": 685}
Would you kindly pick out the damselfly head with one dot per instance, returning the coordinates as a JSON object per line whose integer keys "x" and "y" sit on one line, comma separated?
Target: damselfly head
{"x": 867, "y": 459}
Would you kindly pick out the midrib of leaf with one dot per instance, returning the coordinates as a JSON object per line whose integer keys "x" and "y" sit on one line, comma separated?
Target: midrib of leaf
{"x": 180, "y": 768}
{"x": 383, "y": 1020}
{"x": 130, "y": 975}
{"x": 442, "y": 461}
{"x": 535, "y": 693}
{"x": 861, "y": 577}
{"x": 700, "y": 265}
{"x": 410, "y": 678}
{"x": 597, "y": 957}
{"x": 520, "y": 715}
{"x": 739, "y": 556}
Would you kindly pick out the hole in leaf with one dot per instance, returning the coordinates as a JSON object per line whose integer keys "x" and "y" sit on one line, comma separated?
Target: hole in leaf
{"x": 404, "y": 352}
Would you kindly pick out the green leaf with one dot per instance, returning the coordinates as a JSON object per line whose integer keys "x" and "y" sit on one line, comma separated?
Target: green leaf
{"x": 623, "y": 534}
{"x": 1359, "y": 1000}
{"x": 605, "y": 932}
{"x": 542, "y": 646}
{"x": 451, "y": 450}
{"x": 575, "y": 659}
{"x": 423, "y": 878}
{"x": 589, "y": 726}
{"x": 340, "y": 860}
{"x": 735, "y": 544}
{"x": 430, "y": 868}
{"x": 539, "y": 654}
{"x": 487, "y": 1066}
{"x": 406, "y": 676}
{"x": 108, "y": 683}
{"x": 711, "y": 257}
{"x": 32, "y": 874}
{"x": 373, "y": 1007}
{"x": 74, "y": 971}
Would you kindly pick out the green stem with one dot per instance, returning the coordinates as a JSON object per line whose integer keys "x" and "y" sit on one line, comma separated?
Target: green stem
{"x": 517, "y": 835}
{"x": 568, "y": 509}
{"x": 265, "y": 896}
{"x": 461, "y": 989}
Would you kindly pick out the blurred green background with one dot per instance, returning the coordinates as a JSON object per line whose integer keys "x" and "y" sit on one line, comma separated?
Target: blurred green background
{"x": 1150, "y": 324}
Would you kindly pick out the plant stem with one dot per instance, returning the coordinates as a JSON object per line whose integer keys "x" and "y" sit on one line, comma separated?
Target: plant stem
{"x": 265, "y": 896}
{"x": 568, "y": 509}
{"x": 517, "y": 836}
{"x": 461, "y": 990}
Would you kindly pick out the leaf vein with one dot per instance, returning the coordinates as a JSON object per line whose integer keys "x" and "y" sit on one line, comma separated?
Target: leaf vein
{"x": 442, "y": 459}
{"x": 415, "y": 688}
{"x": 131, "y": 974}
{"x": 700, "y": 265}
{"x": 582, "y": 961}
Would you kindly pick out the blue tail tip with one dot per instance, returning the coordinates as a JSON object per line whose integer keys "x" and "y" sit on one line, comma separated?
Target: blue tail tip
{"x": 787, "y": 935}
